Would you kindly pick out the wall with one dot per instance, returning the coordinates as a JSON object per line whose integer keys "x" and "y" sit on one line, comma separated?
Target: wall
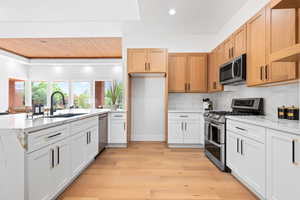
{"x": 242, "y": 16}
{"x": 76, "y": 72}
{"x": 186, "y": 101}
{"x": 9, "y": 69}
{"x": 148, "y": 111}
{"x": 274, "y": 97}
{"x": 174, "y": 43}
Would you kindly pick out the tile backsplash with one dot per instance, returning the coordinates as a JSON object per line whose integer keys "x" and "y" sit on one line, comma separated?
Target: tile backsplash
{"x": 274, "y": 97}
{"x": 186, "y": 101}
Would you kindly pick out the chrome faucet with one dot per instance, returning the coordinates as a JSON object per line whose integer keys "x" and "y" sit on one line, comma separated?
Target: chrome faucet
{"x": 52, "y": 101}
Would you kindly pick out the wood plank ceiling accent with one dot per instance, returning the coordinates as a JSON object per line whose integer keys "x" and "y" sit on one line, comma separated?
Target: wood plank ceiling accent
{"x": 64, "y": 47}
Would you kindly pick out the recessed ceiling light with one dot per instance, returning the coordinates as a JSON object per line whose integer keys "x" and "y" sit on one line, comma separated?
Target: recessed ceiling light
{"x": 172, "y": 11}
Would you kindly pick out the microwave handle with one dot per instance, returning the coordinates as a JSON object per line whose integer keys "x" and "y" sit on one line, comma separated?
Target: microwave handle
{"x": 232, "y": 69}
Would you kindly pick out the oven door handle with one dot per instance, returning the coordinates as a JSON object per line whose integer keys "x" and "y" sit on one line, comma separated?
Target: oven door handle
{"x": 216, "y": 144}
{"x": 215, "y": 125}
{"x": 232, "y": 69}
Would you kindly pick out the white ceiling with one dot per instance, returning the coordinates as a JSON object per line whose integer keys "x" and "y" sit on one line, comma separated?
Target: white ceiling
{"x": 68, "y": 10}
{"x": 193, "y": 16}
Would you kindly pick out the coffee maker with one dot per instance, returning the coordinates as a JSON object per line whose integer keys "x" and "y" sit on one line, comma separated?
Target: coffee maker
{"x": 207, "y": 104}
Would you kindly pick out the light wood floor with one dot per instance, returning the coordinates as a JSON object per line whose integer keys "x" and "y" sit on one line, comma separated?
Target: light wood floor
{"x": 150, "y": 171}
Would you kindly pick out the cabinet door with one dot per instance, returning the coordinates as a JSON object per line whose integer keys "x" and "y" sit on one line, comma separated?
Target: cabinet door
{"x": 283, "y": 166}
{"x": 233, "y": 155}
{"x": 219, "y": 62}
{"x": 197, "y": 73}
{"x": 78, "y": 152}
{"x": 117, "y": 134}
{"x": 253, "y": 165}
{"x": 228, "y": 50}
{"x": 240, "y": 41}
{"x": 39, "y": 167}
{"x": 157, "y": 60}
{"x": 136, "y": 60}
{"x": 61, "y": 173}
{"x": 212, "y": 60}
{"x": 281, "y": 33}
{"x": 177, "y": 72}
{"x": 256, "y": 49}
{"x": 93, "y": 145}
{"x": 175, "y": 132}
{"x": 192, "y": 132}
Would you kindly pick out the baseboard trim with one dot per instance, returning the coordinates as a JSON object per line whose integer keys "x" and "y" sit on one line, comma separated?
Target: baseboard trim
{"x": 117, "y": 145}
{"x": 235, "y": 175}
{"x": 193, "y": 146}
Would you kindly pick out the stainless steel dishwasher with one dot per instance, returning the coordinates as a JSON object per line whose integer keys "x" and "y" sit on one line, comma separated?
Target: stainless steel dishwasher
{"x": 103, "y": 131}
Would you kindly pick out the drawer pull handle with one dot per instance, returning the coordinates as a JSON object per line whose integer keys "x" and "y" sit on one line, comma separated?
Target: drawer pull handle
{"x": 118, "y": 115}
{"x": 240, "y": 128}
{"x": 55, "y": 135}
{"x": 184, "y": 116}
{"x": 293, "y": 152}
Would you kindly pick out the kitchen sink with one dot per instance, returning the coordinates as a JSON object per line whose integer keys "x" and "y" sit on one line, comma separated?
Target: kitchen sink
{"x": 67, "y": 115}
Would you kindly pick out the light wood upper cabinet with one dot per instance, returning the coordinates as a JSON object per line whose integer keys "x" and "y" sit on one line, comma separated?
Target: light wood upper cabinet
{"x": 137, "y": 60}
{"x": 177, "y": 72}
{"x": 228, "y": 50}
{"x": 147, "y": 60}
{"x": 240, "y": 41}
{"x": 157, "y": 60}
{"x": 197, "y": 73}
{"x": 281, "y": 25}
{"x": 256, "y": 48}
{"x": 269, "y": 31}
{"x": 215, "y": 59}
{"x": 187, "y": 72}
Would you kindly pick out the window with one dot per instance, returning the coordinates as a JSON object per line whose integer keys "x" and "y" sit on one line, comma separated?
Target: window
{"x": 39, "y": 92}
{"x": 61, "y": 87}
{"x": 81, "y": 94}
{"x": 117, "y": 88}
{"x": 16, "y": 95}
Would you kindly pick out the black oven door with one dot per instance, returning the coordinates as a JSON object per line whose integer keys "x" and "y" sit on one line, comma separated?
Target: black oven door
{"x": 227, "y": 73}
{"x": 214, "y": 143}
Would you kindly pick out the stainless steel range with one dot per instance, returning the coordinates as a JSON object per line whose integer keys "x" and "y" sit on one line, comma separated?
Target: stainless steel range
{"x": 215, "y": 128}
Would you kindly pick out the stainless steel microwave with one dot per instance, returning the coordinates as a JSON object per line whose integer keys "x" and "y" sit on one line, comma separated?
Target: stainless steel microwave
{"x": 234, "y": 72}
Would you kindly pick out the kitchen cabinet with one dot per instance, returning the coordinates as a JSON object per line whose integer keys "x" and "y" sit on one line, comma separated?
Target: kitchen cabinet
{"x": 245, "y": 146}
{"x": 93, "y": 143}
{"x": 177, "y": 73}
{"x": 187, "y": 72}
{"x": 117, "y": 130}
{"x": 228, "y": 49}
{"x": 39, "y": 174}
{"x": 78, "y": 152}
{"x": 268, "y": 32}
{"x": 256, "y": 48}
{"x": 147, "y": 60}
{"x": 283, "y": 165}
{"x": 240, "y": 41}
{"x": 185, "y": 129}
{"x": 281, "y": 25}
{"x": 215, "y": 60}
{"x": 48, "y": 170}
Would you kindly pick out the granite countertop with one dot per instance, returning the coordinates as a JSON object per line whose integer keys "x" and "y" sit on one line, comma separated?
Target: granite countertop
{"x": 276, "y": 124}
{"x": 186, "y": 111}
{"x": 18, "y": 122}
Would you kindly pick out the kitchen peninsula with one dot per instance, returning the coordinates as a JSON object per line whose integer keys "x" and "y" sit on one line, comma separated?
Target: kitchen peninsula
{"x": 39, "y": 158}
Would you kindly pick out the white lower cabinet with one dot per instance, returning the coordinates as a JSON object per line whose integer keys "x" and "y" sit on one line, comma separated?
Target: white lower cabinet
{"x": 39, "y": 174}
{"x": 185, "y": 129}
{"x": 246, "y": 157}
{"x": 283, "y": 166}
{"x": 78, "y": 152}
{"x": 117, "y": 129}
{"x": 51, "y": 168}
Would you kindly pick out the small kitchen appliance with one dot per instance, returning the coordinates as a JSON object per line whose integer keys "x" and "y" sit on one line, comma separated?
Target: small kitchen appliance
{"x": 207, "y": 104}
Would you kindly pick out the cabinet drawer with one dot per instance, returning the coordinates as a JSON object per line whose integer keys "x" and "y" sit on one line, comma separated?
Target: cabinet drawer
{"x": 184, "y": 116}
{"x": 83, "y": 124}
{"x": 118, "y": 116}
{"x": 251, "y": 131}
{"x": 39, "y": 139}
